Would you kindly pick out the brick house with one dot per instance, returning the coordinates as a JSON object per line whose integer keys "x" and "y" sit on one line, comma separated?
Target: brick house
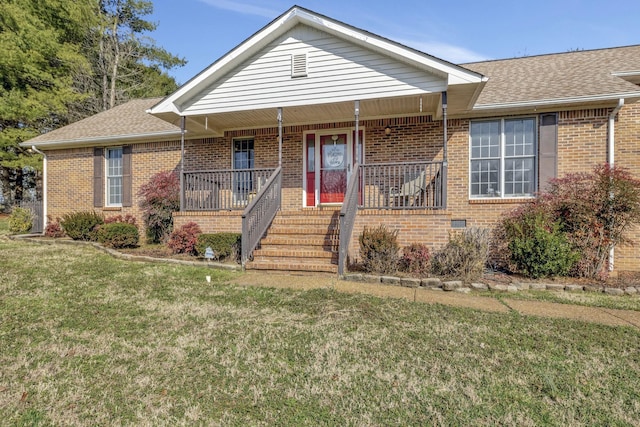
{"x": 311, "y": 129}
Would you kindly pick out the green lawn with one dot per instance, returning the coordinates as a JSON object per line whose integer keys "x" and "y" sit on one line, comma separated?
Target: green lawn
{"x": 86, "y": 339}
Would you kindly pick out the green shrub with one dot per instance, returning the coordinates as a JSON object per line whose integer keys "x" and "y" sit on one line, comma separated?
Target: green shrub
{"x": 537, "y": 246}
{"x": 20, "y": 220}
{"x": 379, "y": 249}
{"x": 464, "y": 256}
{"x": 224, "y": 245}
{"x": 81, "y": 225}
{"x": 118, "y": 235}
{"x": 415, "y": 259}
{"x": 184, "y": 239}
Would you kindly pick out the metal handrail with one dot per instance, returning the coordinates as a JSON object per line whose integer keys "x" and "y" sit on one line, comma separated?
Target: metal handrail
{"x": 259, "y": 214}
{"x": 348, "y": 217}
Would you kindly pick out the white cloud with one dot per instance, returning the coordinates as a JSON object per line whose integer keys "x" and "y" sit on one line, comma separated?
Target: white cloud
{"x": 244, "y": 8}
{"x": 451, "y": 53}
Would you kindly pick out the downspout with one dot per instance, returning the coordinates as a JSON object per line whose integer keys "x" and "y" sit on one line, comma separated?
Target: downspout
{"x": 611, "y": 157}
{"x": 182, "y": 131}
{"x": 44, "y": 186}
{"x": 445, "y": 154}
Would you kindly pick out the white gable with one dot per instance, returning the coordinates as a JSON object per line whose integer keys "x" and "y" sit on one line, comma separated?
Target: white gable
{"x": 336, "y": 71}
{"x": 343, "y": 63}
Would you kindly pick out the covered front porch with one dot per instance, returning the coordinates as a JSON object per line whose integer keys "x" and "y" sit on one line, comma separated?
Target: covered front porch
{"x": 311, "y": 115}
{"x": 333, "y": 169}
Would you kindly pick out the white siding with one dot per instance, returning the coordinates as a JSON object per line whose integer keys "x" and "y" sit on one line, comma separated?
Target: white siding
{"x": 337, "y": 71}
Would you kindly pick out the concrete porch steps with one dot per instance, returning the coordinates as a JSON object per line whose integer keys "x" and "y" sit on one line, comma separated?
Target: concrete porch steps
{"x": 300, "y": 241}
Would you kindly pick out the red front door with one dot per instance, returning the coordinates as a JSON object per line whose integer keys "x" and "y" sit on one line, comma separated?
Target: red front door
{"x": 334, "y": 161}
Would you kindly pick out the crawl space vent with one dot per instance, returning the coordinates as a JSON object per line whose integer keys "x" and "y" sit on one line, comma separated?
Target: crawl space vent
{"x": 299, "y": 65}
{"x": 458, "y": 223}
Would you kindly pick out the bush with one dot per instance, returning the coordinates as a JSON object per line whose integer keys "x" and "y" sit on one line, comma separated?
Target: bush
{"x": 81, "y": 225}
{"x": 537, "y": 246}
{"x": 379, "y": 250}
{"x": 53, "y": 228}
{"x": 184, "y": 239}
{"x": 20, "y": 220}
{"x": 118, "y": 235}
{"x": 224, "y": 245}
{"x": 127, "y": 219}
{"x": 415, "y": 259}
{"x": 464, "y": 256}
{"x": 160, "y": 198}
{"x": 592, "y": 210}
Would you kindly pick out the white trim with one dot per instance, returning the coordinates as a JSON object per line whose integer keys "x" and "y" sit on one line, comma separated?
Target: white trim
{"x": 114, "y": 139}
{"x": 502, "y": 158}
{"x": 107, "y": 203}
{"x": 297, "y": 15}
{"x": 318, "y": 133}
{"x": 548, "y": 102}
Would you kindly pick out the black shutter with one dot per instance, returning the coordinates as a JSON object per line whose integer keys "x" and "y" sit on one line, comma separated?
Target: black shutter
{"x": 98, "y": 177}
{"x": 548, "y": 159}
{"x": 126, "y": 176}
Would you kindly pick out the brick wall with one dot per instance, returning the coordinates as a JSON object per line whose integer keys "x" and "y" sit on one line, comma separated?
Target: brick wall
{"x": 70, "y": 177}
{"x": 582, "y": 143}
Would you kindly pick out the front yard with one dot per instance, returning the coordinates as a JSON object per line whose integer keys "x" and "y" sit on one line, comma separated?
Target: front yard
{"x": 88, "y": 339}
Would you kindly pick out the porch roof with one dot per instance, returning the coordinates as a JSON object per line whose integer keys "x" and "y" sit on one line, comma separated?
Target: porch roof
{"x": 410, "y": 82}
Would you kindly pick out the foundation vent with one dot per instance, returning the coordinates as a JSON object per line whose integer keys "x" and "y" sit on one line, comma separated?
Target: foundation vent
{"x": 458, "y": 223}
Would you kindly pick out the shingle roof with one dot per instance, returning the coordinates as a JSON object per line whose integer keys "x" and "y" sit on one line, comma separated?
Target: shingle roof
{"x": 553, "y": 78}
{"x": 569, "y": 75}
{"x": 126, "y": 121}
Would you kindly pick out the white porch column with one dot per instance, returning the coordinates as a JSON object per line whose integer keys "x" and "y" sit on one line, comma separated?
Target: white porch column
{"x": 280, "y": 136}
{"x": 445, "y": 154}
{"x": 357, "y": 114}
{"x": 182, "y": 131}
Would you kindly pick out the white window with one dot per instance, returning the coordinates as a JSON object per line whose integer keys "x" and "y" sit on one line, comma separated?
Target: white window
{"x": 114, "y": 176}
{"x": 503, "y": 158}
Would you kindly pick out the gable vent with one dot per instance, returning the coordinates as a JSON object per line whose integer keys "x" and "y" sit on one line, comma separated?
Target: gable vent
{"x": 299, "y": 65}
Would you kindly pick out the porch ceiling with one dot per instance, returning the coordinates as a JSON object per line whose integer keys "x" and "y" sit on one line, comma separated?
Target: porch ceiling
{"x": 217, "y": 124}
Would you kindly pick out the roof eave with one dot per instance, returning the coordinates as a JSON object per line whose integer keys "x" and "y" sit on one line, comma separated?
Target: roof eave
{"x": 559, "y": 101}
{"x": 102, "y": 140}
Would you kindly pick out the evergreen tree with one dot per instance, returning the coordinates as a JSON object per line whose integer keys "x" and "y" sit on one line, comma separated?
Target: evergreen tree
{"x": 63, "y": 60}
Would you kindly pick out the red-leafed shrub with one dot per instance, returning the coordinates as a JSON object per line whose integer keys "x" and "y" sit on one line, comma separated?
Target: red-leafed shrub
{"x": 184, "y": 239}
{"x": 415, "y": 259}
{"x": 160, "y": 197}
{"x": 593, "y": 211}
{"x": 53, "y": 228}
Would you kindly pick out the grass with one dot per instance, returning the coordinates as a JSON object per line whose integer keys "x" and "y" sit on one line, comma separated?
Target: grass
{"x": 86, "y": 339}
{"x": 589, "y": 299}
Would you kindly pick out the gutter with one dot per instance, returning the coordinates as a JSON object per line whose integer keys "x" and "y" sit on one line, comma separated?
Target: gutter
{"x": 559, "y": 101}
{"x": 44, "y": 187}
{"x": 114, "y": 139}
{"x": 611, "y": 158}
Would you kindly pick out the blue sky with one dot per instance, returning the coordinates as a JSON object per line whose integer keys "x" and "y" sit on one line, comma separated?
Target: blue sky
{"x": 201, "y": 31}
